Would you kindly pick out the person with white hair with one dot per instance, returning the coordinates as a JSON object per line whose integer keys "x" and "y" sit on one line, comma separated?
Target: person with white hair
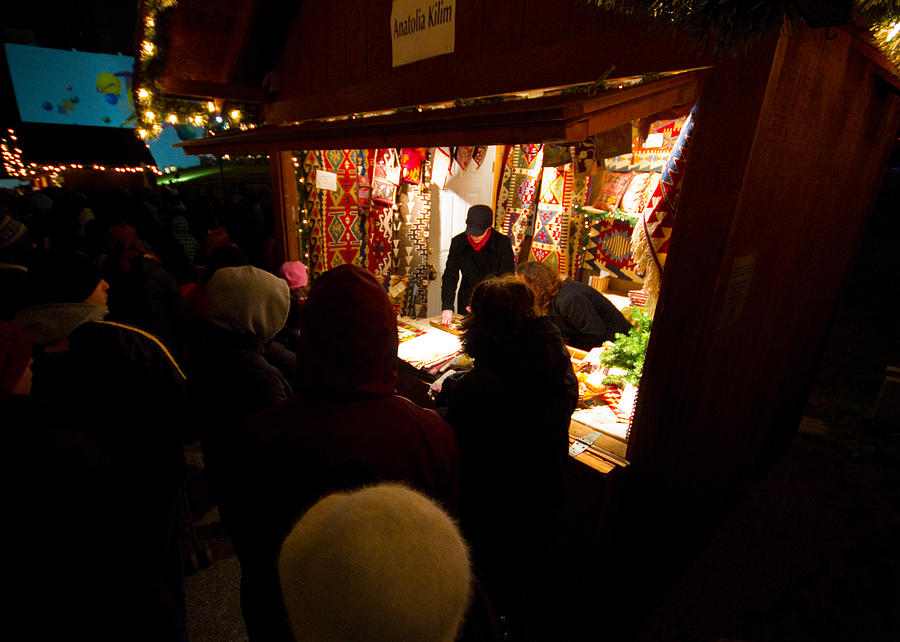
{"x": 383, "y": 563}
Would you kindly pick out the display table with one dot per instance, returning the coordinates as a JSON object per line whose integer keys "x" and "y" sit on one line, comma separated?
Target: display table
{"x": 598, "y": 429}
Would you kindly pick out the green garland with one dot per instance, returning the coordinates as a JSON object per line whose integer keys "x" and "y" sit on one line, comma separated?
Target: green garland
{"x": 307, "y": 196}
{"x": 149, "y": 96}
{"x": 733, "y": 26}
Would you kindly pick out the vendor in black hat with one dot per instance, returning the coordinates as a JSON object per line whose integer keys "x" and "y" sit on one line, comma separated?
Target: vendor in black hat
{"x": 478, "y": 252}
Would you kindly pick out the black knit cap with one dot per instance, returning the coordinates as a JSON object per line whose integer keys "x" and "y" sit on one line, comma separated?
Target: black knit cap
{"x": 63, "y": 276}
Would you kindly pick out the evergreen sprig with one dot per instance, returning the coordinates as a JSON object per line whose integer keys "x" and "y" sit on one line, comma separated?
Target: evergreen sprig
{"x": 628, "y": 350}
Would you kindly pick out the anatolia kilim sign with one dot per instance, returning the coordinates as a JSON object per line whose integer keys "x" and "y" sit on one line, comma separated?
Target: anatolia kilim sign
{"x": 422, "y": 29}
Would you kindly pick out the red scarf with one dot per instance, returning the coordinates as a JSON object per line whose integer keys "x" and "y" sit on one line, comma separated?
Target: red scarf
{"x": 481, "y": 243}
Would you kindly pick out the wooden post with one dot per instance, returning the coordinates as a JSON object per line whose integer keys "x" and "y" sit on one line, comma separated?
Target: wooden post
{"x": 284, "y": 209}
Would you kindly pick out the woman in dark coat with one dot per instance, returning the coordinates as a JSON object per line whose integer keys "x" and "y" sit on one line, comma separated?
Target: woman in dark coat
{"x": 511, "y": 416}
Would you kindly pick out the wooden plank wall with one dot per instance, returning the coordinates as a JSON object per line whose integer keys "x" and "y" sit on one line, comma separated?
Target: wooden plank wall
{"x": 337, "y": 59}
{"x": 786, "y": 167}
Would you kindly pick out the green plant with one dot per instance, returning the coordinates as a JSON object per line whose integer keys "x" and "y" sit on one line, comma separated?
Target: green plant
{"x": 627, "y": 351}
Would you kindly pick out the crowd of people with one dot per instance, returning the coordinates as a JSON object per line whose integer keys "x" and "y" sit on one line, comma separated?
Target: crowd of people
{"x": 134, "y": 324}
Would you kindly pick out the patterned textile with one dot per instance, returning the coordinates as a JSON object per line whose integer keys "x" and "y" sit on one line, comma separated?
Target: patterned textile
{"x": 518, "y": 194}
{"x": 582, "y": 186}
{"x": 379, "y": 235}
{"x": 410, "y": 245}
{"x": 342, "y": 227}
{"x": 401, "y": 292}
{"x": 612, "y": 189}
{"x": 609, "y": 248}
{"x": 463, "y": 156}
{"x": 556, "y": 155}
{"x": 649, "y": 159}
{"x": 651, "y": 236}
{"x": 411, "y": 159}
{"x": 637, "y": 194}
{"x": 479, "y": 155}
{"x": 312, "y": 203}
{"x": 440, "y": 171}
{"x": 605, "y": 144}
{"x": 385, "y": 177}
{"x": 406, "y": 331}
{"x": 550, "y": 241}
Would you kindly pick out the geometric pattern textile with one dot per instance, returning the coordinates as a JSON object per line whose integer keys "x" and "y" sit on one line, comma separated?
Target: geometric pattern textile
{"x": 649, "y": 159}
{"x": 608, "y": 248}
{"x": 550, "y": 240}
{"x": 518, "y": 193}
{"x": 379, "y": 234}
{"x": 342, "y": 225}
{"x": 311, "y": 201}
{"x": 379, "y": 229}
{"x": 582, "y": 185}
{"x": 653, "y": 231}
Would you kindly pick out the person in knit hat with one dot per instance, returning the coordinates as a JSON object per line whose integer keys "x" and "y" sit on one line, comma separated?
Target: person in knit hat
{"x": 15, "y": 360}
{"x": 282, "y": 351}
{"x": 294, "y": 272}
{"x": 388, "y": 555}
{"x": 80, "y": 358}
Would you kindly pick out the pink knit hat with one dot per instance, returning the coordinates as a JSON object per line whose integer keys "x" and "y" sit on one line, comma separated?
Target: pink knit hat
{"x": 15, "y": 353}
{"x": 294, "y": 272}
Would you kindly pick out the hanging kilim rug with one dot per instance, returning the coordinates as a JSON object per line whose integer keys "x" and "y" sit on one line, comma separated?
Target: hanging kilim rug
{"x": 550, "y": 241}
{"x": 650, "y": 241}
{"x": 343, "y": 228}
{"x": 312, "y": 203}
{"x": 517, "y": 196}
{"x": 379, "y": 230}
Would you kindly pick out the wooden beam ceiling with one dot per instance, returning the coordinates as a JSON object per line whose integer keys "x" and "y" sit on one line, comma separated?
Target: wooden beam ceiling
{"x": 567, "y": 117}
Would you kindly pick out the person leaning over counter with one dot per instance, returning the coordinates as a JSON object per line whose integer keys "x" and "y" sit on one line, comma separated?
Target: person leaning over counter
{"x": 477, "y": 253}
{"x": 583, "y": 315}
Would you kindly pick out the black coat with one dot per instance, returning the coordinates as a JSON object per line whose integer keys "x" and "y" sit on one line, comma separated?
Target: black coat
{"x": 511, "y": 416}
{"x": 494, "y": 259}
{"x": 585, "y": 317}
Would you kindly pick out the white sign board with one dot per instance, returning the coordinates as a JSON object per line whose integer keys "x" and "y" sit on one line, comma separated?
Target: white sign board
{"x": 422, "y": 29}
{"x": 326, "y": 180}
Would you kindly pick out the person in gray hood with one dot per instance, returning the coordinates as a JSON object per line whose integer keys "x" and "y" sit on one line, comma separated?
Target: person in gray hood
{"x": 230, "y": 379}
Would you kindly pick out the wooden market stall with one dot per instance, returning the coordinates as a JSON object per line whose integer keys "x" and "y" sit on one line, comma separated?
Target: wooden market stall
{"x": 789, "y": 144}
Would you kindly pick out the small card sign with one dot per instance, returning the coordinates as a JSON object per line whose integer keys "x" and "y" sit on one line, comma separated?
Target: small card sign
{"x": 422, "y": 29}
{"x": 326, "y": 180}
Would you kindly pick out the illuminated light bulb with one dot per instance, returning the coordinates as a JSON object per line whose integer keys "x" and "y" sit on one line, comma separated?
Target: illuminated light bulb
{"x": 150, "y": 22}
{"x": 147, "y": 47}
{"x": 143, "y": 133}
{"x": 172, "y": 118}
{"x": 143, "y": 93}
{"x": 210, "y": 106}
{"x": 218, "y": 119}
{"x": 149, "y": 115}
{"x": 235, "y": 114}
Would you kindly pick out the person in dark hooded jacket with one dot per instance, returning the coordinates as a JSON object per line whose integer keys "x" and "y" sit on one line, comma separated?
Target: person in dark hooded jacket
{"x": 345, "y": 428}
{"x": 511, "y": 415}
